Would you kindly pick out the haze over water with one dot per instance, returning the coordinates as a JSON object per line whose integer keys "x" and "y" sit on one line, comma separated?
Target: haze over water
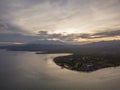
{"x": 30, "y": 71}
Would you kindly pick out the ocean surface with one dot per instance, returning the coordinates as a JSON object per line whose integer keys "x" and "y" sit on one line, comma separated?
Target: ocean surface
{"x": 30, "y": 71}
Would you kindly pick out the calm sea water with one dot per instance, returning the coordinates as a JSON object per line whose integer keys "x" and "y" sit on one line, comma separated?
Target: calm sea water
{"x": 30, "y": 71}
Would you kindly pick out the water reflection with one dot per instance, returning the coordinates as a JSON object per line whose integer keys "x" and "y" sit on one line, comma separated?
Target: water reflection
{"x": 30, "y": 71}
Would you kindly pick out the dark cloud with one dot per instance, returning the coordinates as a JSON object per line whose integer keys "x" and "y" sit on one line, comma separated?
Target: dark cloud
{"x": 58, "y": 36}
{"x": 106, "y": 33}
{"x": 72, "y": 37}
{"x": 44, "y": 35}
{"x": 85, "y": 36}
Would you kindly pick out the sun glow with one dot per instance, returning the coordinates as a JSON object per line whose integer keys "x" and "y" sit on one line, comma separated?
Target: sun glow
{"x": 67, "y": 30}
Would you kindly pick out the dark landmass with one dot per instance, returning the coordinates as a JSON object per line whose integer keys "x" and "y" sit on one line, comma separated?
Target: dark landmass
{"x": 87, "y": 63}
{"x": 104, "y": 47}
{"x": 88, "y": 57}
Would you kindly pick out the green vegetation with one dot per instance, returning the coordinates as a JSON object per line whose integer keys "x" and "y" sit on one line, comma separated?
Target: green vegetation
{"x": 87, "y": 63}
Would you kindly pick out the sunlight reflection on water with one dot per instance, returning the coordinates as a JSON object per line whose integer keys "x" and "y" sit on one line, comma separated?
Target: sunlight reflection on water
{"x": 30, "y": 71}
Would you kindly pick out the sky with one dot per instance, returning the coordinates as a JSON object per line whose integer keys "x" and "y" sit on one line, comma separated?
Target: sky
{"x": 80, "y": 21}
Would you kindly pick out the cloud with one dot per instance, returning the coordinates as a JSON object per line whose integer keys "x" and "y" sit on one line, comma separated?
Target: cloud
{"x": 87, "y": 36}
{"x": 58, "y": 36}
{"x": 44, "y": 35}
{"x": 12, "y": 33}
{"x": 104, "y": 34}
{"x": 108, "y": 33}
{"x": 16, "y": 37}
{"x": 6, "y": 27}
{"x": 21, "y": 17}
{"x": 59, "y": 13}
